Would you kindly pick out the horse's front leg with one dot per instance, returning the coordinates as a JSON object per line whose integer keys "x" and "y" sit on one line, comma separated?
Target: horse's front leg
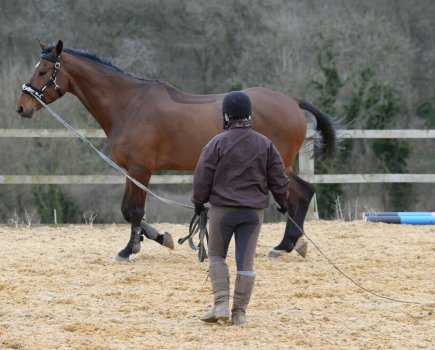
{"x": 299, "y": 200}
{"x": 133, "y": 210}
{"x": 144, "y": 229}
{"x": 150, "y": 232}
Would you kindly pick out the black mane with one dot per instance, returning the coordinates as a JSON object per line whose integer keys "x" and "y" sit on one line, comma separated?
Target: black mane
{"x": 93, "y": 57}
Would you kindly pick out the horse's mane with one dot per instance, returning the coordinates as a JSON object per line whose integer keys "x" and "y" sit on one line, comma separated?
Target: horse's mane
{"x": 93, "y": 57}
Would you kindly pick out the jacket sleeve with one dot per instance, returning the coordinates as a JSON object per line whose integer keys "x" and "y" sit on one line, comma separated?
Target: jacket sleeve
{"x": 277, "y": 180}
{"x": 203, "y": 176}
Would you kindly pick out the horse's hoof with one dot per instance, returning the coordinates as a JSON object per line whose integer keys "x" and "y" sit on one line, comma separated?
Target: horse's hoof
{"x": 168, "y": 242}
{"x": 302, "y": 247}
{"x": 276, "y": 253}
{"x": 119, "y": 258}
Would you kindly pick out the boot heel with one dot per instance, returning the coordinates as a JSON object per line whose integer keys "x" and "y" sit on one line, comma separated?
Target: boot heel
{"x": 220, "y": 281}
{"x": 242, "y": 295}
{"x": 222, "y": 312}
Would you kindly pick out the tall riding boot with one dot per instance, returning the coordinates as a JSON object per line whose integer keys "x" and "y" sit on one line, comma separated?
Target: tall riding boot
{"x": 220, "y": 281}
{"x": 242, "y": 295}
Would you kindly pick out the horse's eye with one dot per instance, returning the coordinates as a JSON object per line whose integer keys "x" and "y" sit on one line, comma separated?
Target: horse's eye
{"x": 42, "y": 73}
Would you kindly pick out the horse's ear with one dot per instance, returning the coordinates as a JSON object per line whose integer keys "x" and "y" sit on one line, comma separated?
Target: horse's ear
{"x": 42, "y": 45}
{"x": 59, "y": 47}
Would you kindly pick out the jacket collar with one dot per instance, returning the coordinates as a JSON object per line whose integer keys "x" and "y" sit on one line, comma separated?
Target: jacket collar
{"x": 240, "y": 124}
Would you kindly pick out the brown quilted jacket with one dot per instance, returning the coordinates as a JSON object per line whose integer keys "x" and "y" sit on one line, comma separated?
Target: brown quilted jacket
{"x": 237, "y": 168}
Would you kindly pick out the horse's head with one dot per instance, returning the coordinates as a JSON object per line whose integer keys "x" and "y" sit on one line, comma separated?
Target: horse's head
{"x": 45, "y": 81}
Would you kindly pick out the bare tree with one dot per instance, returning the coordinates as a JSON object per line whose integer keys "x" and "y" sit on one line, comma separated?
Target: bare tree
{"x": 89, "y": 217}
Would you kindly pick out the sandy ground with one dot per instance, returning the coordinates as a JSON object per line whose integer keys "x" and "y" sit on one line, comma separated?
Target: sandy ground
{"x": 61, "y": 289}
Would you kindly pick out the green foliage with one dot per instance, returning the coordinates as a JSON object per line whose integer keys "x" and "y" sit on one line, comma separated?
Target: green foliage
{"x": 332, "y": 83}
{"x": 328, "y": 90}
{"x": 426, "y": 110}
{"x": 216, "y": 46}
{"x": 372, "y": 104}
{"x": 50, "y": 198}
{"x": 392, "y": 156}
{"x": 235, "y": 85}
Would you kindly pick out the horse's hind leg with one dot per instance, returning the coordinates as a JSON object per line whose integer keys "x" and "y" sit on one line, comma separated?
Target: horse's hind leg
{"x": 299, "y": 200}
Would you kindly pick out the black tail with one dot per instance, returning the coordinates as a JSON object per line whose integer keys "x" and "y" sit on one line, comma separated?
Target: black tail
{"x": 326, "y": 126}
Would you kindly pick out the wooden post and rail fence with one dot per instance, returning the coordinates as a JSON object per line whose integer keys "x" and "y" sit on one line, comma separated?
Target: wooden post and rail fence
{"x": 306, "y": 162}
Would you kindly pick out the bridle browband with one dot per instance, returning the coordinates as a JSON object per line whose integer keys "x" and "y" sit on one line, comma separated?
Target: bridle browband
{"x": 31, "y": 90}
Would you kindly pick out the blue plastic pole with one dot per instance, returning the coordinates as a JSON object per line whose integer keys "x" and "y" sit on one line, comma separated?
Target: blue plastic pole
{"x": 385, "y": 219}
{"x": 399, "y": 213}
{"x": 417, "y": 220}
{"x": 406, "y": 219}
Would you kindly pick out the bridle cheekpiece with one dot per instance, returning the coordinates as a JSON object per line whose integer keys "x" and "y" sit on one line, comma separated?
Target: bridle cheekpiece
{"x": 31, "y": 90}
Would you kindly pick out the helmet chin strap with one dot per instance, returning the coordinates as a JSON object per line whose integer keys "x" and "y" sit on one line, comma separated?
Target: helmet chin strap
{"x": 226, "y": 120}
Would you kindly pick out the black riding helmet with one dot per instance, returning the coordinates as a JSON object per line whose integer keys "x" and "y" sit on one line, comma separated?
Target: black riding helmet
{"x": 236, "y": 106}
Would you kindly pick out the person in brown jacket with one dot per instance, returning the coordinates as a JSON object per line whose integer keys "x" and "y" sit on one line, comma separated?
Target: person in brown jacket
{"x": 235, "y": 172}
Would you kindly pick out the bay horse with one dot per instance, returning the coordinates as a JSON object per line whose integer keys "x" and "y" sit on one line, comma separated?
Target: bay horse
{"x": 151, "y": 126}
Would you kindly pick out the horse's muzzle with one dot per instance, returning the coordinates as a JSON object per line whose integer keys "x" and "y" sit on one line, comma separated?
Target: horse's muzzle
{"x": 25, "y": 114}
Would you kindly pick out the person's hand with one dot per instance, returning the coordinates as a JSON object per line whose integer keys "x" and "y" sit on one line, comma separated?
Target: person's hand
{"x": 199, "y": 208}
{"x": 283, "y": 207}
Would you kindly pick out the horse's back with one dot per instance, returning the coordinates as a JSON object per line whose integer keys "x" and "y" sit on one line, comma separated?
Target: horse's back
{"x": 278, "y": 117}
{"x": 184, "y": 123}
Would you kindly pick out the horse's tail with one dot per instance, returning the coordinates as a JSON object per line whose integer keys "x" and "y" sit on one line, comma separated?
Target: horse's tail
{"x": 326, "y": 126}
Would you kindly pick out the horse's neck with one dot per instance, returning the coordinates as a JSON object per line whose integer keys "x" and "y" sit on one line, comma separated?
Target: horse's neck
{"x": 99, "y": 89}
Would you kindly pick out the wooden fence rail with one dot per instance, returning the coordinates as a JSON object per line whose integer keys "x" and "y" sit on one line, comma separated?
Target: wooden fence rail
{"x": 306, "y": 161}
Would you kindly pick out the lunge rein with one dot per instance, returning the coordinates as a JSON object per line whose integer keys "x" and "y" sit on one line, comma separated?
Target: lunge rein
{"x": 198, "y": 223}
{"x": 348, "y": 277}
{"x": 104, "y": 157}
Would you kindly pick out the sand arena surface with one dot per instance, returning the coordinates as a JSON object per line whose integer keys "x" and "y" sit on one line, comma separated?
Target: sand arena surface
{"x": 61, "y": 289}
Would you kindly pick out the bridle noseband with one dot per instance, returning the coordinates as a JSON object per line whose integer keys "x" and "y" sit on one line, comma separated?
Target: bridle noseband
{"x": 31, "y": 90}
